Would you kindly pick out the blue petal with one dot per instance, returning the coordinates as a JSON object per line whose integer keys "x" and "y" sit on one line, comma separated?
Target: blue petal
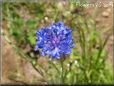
{"x": 36, "y": 48}
{"x": 68, "y": 51}
{"x": 55, "y": 53}
{"x": 43, "y": 53}
{"x": 60, "y": 23}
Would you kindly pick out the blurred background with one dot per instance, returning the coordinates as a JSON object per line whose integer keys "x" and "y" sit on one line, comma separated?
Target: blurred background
{"x": 20, "y": 21}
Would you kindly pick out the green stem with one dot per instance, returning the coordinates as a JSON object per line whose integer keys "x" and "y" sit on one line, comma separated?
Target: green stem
{"x": 39, "y": 72}
{"x": 62, "y": 77}
{"x": 101, "y": 48}
{"x": 54, "y": 66}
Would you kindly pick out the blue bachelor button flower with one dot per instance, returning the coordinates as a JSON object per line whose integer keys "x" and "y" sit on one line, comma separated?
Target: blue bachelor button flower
{"x": 55, "y": 40}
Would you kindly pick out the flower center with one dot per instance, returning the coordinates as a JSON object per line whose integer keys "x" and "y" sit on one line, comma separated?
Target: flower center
{"x": 55, "y": 40}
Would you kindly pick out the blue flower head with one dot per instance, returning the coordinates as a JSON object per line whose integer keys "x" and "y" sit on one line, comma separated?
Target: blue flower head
{"x": 55, "y": 40}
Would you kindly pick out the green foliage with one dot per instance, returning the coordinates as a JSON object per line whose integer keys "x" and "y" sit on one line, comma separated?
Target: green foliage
{"x": 86, "y": 64}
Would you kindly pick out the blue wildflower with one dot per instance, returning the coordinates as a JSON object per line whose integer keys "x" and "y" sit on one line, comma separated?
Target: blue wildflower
{"x": 55, "y": 40}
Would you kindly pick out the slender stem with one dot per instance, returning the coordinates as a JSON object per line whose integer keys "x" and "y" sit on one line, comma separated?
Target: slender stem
{"x": 39, "y": 72}
{"x": 54, "y": 66}
{"x": 62, "y": 78}
{"x": 102, "y": 45}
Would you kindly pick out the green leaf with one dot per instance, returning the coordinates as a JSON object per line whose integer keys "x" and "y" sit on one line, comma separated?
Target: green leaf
{"x": 32, "y": 23}
{"x": 32, "y": 40}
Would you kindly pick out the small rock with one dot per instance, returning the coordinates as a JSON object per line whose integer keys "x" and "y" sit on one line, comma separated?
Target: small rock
{"x": 109, "y": 10}
{"x": 97, "y": 20}
{"x": 46, "y": 18}
{"x": 105, "y": 14}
